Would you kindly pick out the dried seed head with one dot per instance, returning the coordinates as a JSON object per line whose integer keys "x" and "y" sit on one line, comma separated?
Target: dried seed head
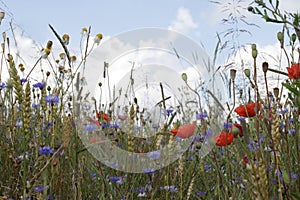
{"x": 232, "y": 74}
{"x": 276, "y": 92}
{"x": 66, "y": 39}
{"x": 265, "y": 67}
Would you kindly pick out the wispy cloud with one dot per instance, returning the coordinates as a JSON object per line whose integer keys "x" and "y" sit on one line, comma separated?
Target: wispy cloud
{"x": 183, "y": 22}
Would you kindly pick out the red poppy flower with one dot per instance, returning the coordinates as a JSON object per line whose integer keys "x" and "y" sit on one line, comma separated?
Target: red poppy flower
{"x": 103, "y": 116}
{"x": 248, "y": 110}
{"x": 93, "y": 140}
{"x": 174, "y": 131}
{"x": 95, "y": 122}
{"x": 220, "y": 139}
{"x": 245, "y": 160}
{"x": 186, "y": 130}
{"x": 294, "y": 71}
{"x": 236, "y": 129}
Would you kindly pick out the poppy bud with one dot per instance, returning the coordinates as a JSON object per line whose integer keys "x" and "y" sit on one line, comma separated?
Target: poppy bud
{"x": 251, "y": 9}
{"x": 280, "y": 36}
{"x": 247, "y": 72}
{"x": 254, "y": 53}
{"x": 184, "y": 77}
{"x": 294, "y": 37}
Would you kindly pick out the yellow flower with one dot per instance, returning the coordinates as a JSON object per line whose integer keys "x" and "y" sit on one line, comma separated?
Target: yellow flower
{"x": 66, "y": 39}
{"x": 45, "y": 52}
{"x": 98, "y": 38}
{"x": 84, "y": 31}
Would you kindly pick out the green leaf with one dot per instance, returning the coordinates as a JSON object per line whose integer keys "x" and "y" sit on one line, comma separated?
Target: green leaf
{"x": 296, "y": 195}
{"x": 291, "y": 88}
{"x": 285, "y": 176}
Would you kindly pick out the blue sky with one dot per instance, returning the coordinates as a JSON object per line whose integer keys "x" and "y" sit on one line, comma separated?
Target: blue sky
{"x": 199, "y": 19}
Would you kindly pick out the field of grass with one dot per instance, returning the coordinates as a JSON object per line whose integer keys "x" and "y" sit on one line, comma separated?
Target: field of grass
{"x": 47, "y": 146}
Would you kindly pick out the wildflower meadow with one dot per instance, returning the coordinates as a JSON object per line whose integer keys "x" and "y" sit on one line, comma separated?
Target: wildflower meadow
{"x": 81, "y": 127}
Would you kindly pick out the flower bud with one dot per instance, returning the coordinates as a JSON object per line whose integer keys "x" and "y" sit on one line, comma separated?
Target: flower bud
{"x": 184, "y": 77}
{"x": 254, "y": 53}
{"x": 232, "y": 74}
{"x": 265, "y": 67}
{"x": 294, "y": 37}
{"x": 49, "y": 44}
{"x": 251, "y": 9}
{"x": 280, "y": 36}
{"x": 247, "y": 72}
{"x": 47, "y": 73}
{"x": 276, "y": 92}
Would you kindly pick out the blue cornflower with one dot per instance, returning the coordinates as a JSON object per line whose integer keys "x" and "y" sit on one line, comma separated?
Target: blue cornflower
{"x": 201, "y": 115}
{"x": 2, "y": 86}
{"x": 52, "y": 99}
{"x": 39, "y": 85}
{"x": 207, "y": 166}
{"x": 253, "y": 146}
{"x": 114, "y": 179}
{"x": 227, "y": 125}
{"x": 89, "y": 127}
{"x": 154, "y": 154}
{"x": 171, "y": 188}
{"x": 241, "y": 118}
{"x": 201, "y": 193}
{"x": 149, "y": 171}
{"x": 46, "y": 150}
{"x": 40, "y": 188}
{"x": 140, "y": 189}
{"x": 293, "y": 176}
{"x": 292, "y": 131}
{"x": 34, "y": 105}
{"x": 168, "y": 112}
{"x": 23, "y": 80}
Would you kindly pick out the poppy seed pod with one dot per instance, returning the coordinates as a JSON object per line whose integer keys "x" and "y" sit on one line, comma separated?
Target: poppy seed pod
{"x": 276, "y": 92}
{"x": 232, "y": 74}
{"x": 265, "y": 67}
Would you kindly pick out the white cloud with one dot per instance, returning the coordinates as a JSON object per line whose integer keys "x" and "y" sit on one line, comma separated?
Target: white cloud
{"x": 184, "y": 21}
